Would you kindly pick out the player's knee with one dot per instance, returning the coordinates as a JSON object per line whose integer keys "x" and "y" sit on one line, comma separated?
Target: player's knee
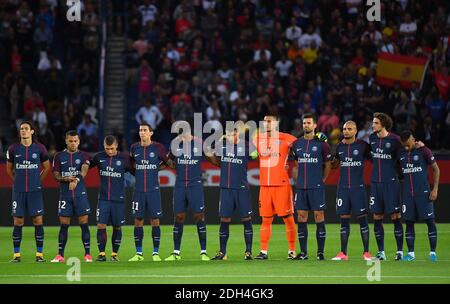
{"x": 378, "y": 216}
{"x": 180, "y": 217}
{"x": 346, "y": 216}
{"x": 154, "y": 222}
{"x": 83, "y": 219}
{"x": 18, "y": 221}
{"x": 395, "y": 216}
{"x": 101, "y": 226}
{"x": 138, "y": 222}
{"x": 37, "y": 220}
{"x": 243, "y": 219}
{"x": 302, "y": 217}
{"x": 319, "y": 216}
{"x": 64, "y": 220}
{"x": 199, "y": 217}
{"x": 225, "y": 219}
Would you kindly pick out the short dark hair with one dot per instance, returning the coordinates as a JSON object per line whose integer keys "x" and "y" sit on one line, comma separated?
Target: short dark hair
{"x": 72, "y": 133}
{"x": 405, "y": 135}
{"x": 274, "y": 116}
{"x": 27, "y": 122}
{"x": 385, "y": 120}
{"x": 147, "y": 125}
{"x": 309, "y": 115}
{"x": 110, "y": 140}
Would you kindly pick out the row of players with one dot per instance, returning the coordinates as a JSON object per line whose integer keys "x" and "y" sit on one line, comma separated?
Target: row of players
{"x": 312, "y": 153}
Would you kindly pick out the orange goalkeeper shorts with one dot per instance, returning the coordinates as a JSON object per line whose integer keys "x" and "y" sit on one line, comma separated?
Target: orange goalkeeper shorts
{"x": 275, "y": 200}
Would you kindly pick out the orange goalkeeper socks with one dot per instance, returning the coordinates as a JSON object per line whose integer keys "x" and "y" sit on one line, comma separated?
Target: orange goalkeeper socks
{"x": 266, "y": 231}
{"x": 291, "y": 233}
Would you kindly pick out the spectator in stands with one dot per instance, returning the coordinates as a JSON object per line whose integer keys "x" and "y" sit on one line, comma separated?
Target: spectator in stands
{"x": 43, "y": 36}
{"x": 404, "y": 112}
{"x": 149, "y": 113}
{"x": 88, "y": 127}
{"x": 328, "y": 120}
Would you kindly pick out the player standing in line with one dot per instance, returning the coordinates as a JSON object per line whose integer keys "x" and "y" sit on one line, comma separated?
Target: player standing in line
{"x": 146, "y": 157}
{"x": 234, "y": 190}
{"x": 111, "y": 165}
{"x": 70, "y": 167}
{"x": 188, "y": 192}
{"x": 417, "y": 197}
{"x": 385, "y": 188}
{"x": 23, "y": 166}
{"x": 351, "y": 193}
{"x": 314, "y": 164}
{"x": 275, "y": 193}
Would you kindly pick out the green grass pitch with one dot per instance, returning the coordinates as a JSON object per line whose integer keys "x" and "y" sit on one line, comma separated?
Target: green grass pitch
{"x": 235, "y": 270}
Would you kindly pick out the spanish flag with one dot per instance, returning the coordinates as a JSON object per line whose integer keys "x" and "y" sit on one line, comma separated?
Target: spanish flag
{"x": 392, "y": 68}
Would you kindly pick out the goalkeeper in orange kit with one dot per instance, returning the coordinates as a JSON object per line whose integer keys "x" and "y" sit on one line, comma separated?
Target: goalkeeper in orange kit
{"x": 275, "y": 195}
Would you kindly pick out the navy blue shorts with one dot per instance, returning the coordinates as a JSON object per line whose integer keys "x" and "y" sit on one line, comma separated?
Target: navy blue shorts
{"x": 111, "y": 213}
{"x": 310, "y": 199}
{"x": 385, "y": 197}
{"x": 74, "y": 206}
{"x": 146, "y": 203}
{"x": 417, "y": 207}
{"x": 351, "y": 200}
{"x": 192, "y": 197}
{"x": 27, "y": 204}
{"x": 232, "y": 200}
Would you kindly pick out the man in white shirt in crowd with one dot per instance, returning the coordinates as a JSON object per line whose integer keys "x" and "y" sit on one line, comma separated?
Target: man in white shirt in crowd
{"x": 293, "y": 32}
{"x": 305, "y": 40}
{"x": 150, "y": 114}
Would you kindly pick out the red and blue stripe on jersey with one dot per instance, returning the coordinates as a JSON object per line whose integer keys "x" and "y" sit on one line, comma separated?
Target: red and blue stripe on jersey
{"x": 26, "y": 161}
{"x": 233, "y": 164}
{"x": 351, "y": 160}
{"x": 112, "y": 170}
{"x": 69, "y": 164}
{"x": 414, "y": 165}
{"x": 147, "y": 160}
{"x": 188, "y": 163}
{"x": 384, "y": 157}
{"x": 310, "y": 155}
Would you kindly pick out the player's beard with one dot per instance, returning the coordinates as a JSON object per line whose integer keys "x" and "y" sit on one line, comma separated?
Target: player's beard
{"x": 308, "y": 131}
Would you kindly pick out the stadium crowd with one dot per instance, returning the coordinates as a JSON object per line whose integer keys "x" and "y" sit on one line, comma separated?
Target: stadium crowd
{"x": 242, "y": 59}
{"x": 48, "y": 70}
{"x": 230, "y": 60}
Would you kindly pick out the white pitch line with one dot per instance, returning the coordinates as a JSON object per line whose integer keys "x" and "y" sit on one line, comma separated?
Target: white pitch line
{"x": 217, "y": 276}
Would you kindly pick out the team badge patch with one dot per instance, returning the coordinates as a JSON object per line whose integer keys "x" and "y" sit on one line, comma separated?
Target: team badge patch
{"x": 34, "y": 155}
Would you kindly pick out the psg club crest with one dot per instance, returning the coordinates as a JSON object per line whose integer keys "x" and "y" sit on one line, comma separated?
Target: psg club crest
{"x": 314, "y": 148}
{"x": 416, "y": 157}
{"x": 195, "y": 150}
{"x": 355, "y": 152}
{"x": 118, "y": 162}
{"x": 239, "y": 150}
{"x": 34, "y": 155}
{"x": 78, "y": 161}
{"x": 388, "y": 145}
{"x": 152, "y": 154}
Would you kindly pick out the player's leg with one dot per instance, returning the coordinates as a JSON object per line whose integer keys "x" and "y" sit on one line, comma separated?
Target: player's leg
{"x": 103, "y": 215}
{"x": 226, "y": 209}
{"x": 102, "y": 238}
{"x": 425, "y": 210}
{"x": 284, "y": 207}
{"x": 153, "y": 205}
{"x": 376, "y": 204}
{"x": 35, "y": 206}
{"x": 179, "y": 209}
{"x": 18, "y": 213}
{"x": 62, "y": 238}
{"x": 138, "y": 211}
{"x": 244, "y": 204}
{"x": 196, "y": 201}
{"x": 392, "y": 199}
{"x": 117, "y": 220}
{"x": 303, "y": 207}
{"x": 17, "y": 237}
{"x": 358, "y": 203}
{"x": 410, "y": 236}
{"x": 266, "y": 211}
{"x": 39, "y": 236}
{"x": 83, "y": 209}
{"x": 316, "y": 198}
{"x": 343, "y": 209}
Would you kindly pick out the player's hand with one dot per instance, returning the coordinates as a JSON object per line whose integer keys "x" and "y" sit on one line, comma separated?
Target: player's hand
{"x": 71, "y": 179}
{"x": 73, "y": 185}
{"x": 419, "y": 144}
{"x": 433, "y": 194}
{"x": 321, "y": 136}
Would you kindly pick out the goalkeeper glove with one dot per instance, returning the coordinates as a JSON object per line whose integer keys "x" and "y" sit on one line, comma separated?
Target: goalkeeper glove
{"x": 321, "y": 136}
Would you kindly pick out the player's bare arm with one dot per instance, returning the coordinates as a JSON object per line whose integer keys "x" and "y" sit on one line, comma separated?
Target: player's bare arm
{"x": 326, "y": 170}
{"x": 436, "y": 175}
{"x": 10, "y": 170}
{"x": 335, "y": 163}
{"x": 46, "y": 169}
{"x": 63, "y": 179}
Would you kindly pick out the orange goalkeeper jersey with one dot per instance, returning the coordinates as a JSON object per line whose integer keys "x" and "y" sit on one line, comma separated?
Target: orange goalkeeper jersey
{"x": 273, "y": 155}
